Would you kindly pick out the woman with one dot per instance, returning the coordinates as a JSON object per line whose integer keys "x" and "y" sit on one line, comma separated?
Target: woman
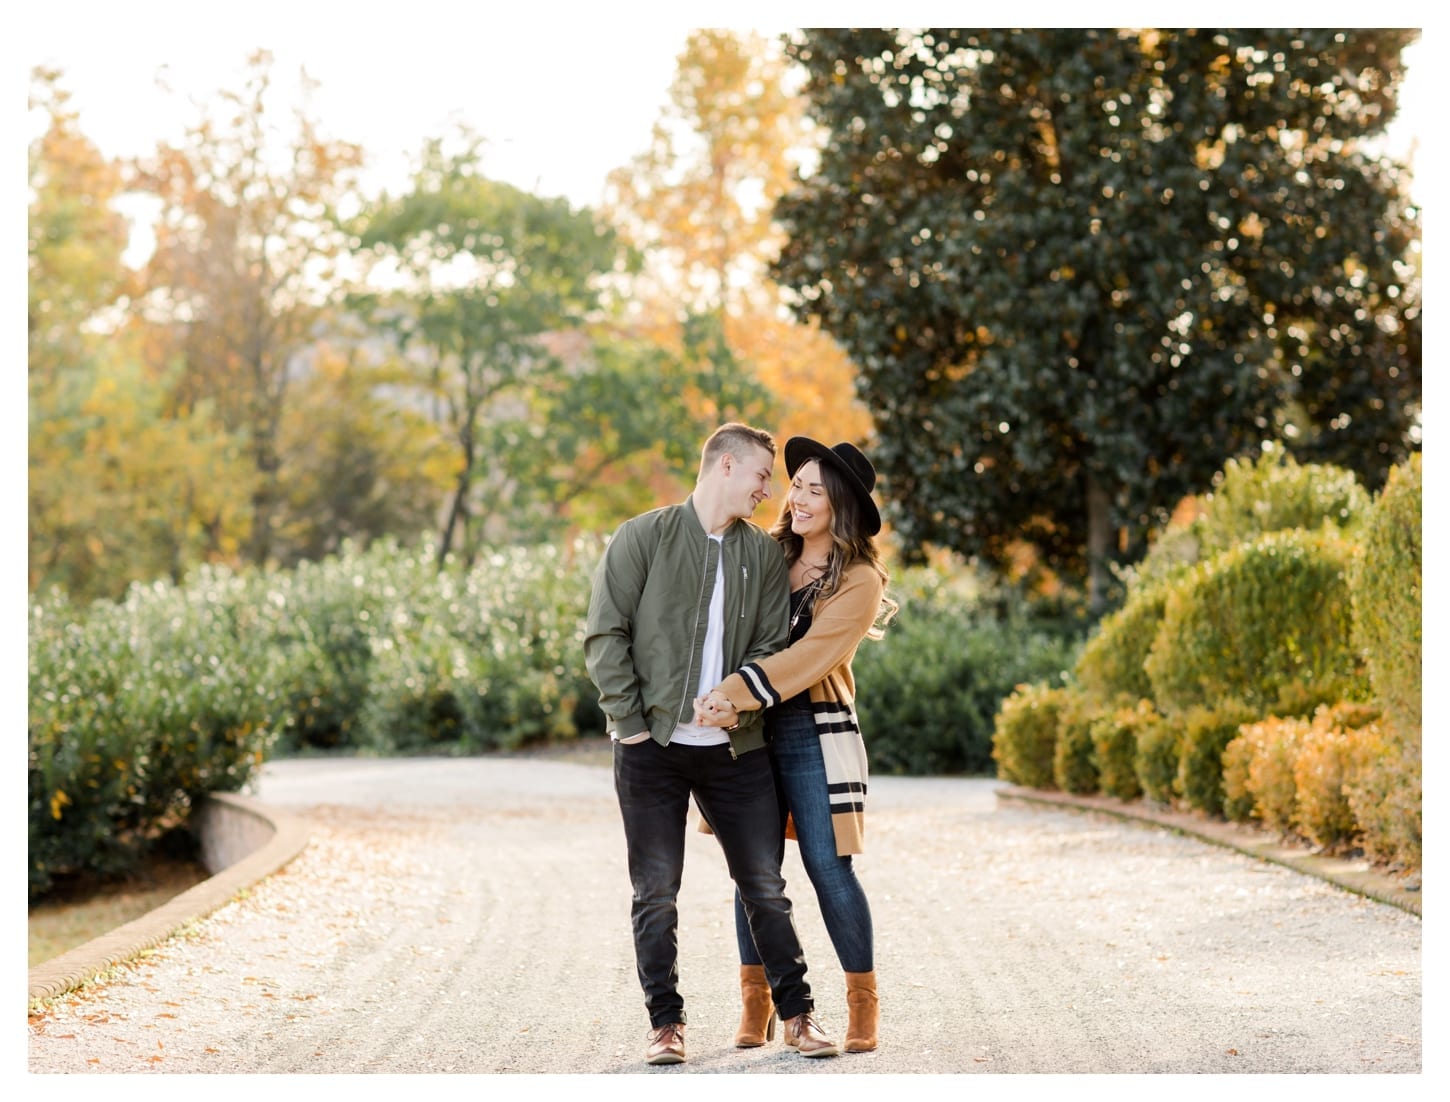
{"x": 838, "y": 598}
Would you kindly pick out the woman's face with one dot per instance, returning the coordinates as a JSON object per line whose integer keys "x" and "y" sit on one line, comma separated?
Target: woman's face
{"x": 810, "y": 507}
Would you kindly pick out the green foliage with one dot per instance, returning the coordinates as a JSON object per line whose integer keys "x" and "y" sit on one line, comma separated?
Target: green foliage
{"x": 1274, "y": 492}
{"x": 1160, "y": 745}
{"x": 1050, "y": 285}
{"x": 1074, "y": 757}
{"x": 1256, "y": 618}
{"x": 1024, "y": 737}
{"x": 137, "y": 710}
{"x": 1116, "y": 735}
{"x": 1386, "y": 585}
{"x": 1206, "y": 734}
{"x": 491, "y": 276}
{"x": 1111, "y": 663}
{"x": 927, "y": 692}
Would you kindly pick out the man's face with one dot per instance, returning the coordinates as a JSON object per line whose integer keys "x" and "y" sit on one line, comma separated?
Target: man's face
{"x": 748, "y": 480}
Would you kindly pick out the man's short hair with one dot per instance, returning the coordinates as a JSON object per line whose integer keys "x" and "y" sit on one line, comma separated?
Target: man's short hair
{"x": 738, "y": 440}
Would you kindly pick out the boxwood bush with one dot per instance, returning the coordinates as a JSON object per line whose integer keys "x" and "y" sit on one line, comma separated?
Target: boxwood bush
{"x": 1116, "y": 735}
{"x": 1257, "y": 618}
{"x": 1112, "y": 660}
{"x": 1074, "y": 757}
{"x": 1206, "y": 735}
{"x": 1024, "y": 739}
{"x": 1386, "y": 795}
{"x": 1160, "y": 745}
{"x": 1386, "y": 585}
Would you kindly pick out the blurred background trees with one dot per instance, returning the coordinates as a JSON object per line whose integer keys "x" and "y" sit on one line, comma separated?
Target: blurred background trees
{"x": 1054, "y": 279}
{"x": 1077, "y": 270}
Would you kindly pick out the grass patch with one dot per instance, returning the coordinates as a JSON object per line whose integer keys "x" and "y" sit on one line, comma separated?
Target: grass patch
{"x": 72, "y": 916}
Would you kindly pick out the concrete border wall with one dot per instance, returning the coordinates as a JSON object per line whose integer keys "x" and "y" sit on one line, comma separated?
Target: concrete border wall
{"x": 242, "y": 842}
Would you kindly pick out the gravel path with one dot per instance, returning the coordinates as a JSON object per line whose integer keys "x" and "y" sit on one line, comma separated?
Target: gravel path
{"x": 472, "y": 916}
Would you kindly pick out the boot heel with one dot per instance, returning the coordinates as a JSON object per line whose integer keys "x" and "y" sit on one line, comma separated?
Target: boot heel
{"x": 770, "y": 1027}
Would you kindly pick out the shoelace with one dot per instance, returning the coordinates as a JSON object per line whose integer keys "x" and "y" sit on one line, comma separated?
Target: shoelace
{"x": 806, "y": 1024}
{"x": 666, "y": 1033}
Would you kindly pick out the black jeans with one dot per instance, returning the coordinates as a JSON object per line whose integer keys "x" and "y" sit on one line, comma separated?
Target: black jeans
{"x": 737, "y": 798}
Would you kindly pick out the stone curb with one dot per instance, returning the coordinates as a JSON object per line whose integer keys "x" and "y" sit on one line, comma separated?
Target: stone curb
{"x": 1356, "y": 876}
{"x": 242, "y": 842}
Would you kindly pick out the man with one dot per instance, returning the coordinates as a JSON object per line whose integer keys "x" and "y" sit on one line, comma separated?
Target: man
{"x": 683, "y": 595}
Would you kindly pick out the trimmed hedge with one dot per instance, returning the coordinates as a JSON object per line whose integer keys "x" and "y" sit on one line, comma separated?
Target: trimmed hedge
{"x": 137, "y": 710}
{"x": 1024, "y": 739}
{"x": 1255, "y": 619}
{"x": 1116, "y": 735}
{"x": 1206, "y": 734}
{"x": 1386, "y": 592}
{"x": 1112, "y": 660}
{"x": 1074, "y": 757}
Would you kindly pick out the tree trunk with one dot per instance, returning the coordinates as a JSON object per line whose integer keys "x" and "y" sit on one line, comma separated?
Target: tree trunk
{"x": 1099, "y": 545}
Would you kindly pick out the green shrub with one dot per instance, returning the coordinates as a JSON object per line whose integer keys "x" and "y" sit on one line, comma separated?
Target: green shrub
{"x": 1256, "y": 618}
{"x": 928, "y": 691}
{"x": 1115, "y": 735}
{"x": 1206, "y": 734}
{"x": 1024, "y": 738}
{"x": 1074, "y": 760}
{"x": 1111, "y": 663}
{"x": 1271, "y": 492}
{"x": 1386, "y": 793}
{"x": 1160, "y": 745}
{"x": 137, "y": 710}
{"x": 1386, "y": 587}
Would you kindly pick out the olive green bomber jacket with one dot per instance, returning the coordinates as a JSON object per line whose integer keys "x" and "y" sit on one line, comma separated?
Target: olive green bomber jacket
{"x": 645, "y": 631}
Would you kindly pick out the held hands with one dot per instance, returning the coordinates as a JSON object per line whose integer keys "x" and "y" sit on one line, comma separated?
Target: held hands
{"x": 715, "y": 710}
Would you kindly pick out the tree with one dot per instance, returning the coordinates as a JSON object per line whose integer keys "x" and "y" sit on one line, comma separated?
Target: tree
{"x": 244, "y": 272}
{"x": 483, "y": 274}
{"x": 697, "y": 204}
{"x": 1079, "y": 269}
{"x": 119, "y": 490}
{"x": 357, "y": 464}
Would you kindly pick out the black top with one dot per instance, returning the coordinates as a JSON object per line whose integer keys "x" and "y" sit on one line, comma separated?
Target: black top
{"x": 800, "y": 623}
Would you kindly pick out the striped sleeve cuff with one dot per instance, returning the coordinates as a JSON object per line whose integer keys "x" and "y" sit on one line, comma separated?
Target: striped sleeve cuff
{"x": 759, "y": 685}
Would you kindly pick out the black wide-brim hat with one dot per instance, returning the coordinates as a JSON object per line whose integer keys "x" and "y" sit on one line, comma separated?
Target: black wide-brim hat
{"x": 846, "y": 460}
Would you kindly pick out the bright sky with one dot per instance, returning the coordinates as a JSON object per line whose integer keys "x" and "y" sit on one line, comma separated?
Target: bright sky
{"x": 560, "y": 101}
{"x": 563, "y": 92}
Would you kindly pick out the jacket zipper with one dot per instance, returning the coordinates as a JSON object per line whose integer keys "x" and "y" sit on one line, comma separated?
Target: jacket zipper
{"x": 695, "y": 638}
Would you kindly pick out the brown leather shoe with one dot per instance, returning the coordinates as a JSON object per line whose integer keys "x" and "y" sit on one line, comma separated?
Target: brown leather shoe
{"x": 806, "y": 1037}
{"x": 667, "y": 1044}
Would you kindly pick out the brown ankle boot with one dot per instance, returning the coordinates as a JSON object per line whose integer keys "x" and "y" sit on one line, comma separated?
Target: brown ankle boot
{"x": 863, "y": 1016}
{"x": 757, "y": 1015}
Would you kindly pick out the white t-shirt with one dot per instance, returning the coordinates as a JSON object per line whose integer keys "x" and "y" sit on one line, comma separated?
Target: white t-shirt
{"x": 712, "y": 662}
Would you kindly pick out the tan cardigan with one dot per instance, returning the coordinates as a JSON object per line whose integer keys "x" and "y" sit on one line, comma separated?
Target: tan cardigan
{"x": 821, "y": 662}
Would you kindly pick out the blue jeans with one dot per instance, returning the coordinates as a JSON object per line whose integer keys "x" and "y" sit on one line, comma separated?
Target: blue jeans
{"x": 737, "y": 798}
{"x": 800, "y": 776}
